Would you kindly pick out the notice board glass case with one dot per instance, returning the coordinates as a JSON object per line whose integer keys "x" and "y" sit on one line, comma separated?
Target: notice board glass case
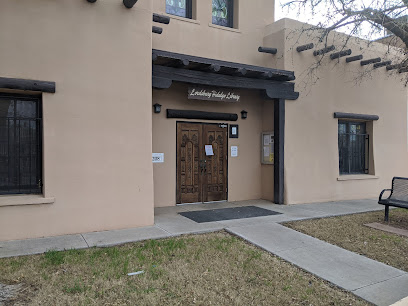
{"x": 268, "y": 148}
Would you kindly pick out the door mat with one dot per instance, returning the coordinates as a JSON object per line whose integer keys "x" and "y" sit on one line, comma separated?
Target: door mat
{"x": 223, "y": 214}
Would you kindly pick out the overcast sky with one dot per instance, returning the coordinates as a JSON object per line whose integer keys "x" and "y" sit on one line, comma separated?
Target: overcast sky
{"x": 306, "y": 16}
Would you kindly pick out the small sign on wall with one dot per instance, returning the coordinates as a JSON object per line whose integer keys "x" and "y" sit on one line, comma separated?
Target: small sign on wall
{"x": 158, "y": 158}
{"x": 233, "y": 131}
{"x": 234, "y": 151}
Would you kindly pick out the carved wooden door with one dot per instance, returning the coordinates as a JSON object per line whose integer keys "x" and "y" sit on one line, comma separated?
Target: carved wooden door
{"x": 201, "y": 178}
{"x": 215, "y": 183}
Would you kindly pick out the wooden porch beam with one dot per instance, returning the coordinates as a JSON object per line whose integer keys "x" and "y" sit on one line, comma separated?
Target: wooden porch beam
{"x": 324, "y": 50}
{"x": 370, "y": 61}
{"x": 268, "y": 50}
{"x": 305, "y": 47}
{"x": 193, "y": 114}
{"x": 29, "y": 85}
{"x": 157, "y": 30}
{"x": 129, "y": 3}
{"x": 354, "y": 58}
{"x": 273, "y": 89}
{"x": 340, "y": 54}
{"x": 392, "y": 67}
{"x": 382, "y": 64}
{"x": 161, "y": 18}
{"x": 279, "y": 148}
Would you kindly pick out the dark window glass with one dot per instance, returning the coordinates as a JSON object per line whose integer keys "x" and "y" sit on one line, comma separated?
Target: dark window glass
{"x": 223, "y": 12}
{"x": 353, "y": 147}
{"x": 182, "y": 8}
{"x": 20, "y": 145}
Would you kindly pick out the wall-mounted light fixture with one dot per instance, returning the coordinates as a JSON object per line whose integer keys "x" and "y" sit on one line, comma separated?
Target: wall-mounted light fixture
{"x": 91, "y": 1}
{"x": 244, "y": 114}
{"x": 157, "y": 108}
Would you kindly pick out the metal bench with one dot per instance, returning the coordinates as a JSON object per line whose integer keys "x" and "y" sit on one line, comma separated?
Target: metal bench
{"x": 398, "y": 196}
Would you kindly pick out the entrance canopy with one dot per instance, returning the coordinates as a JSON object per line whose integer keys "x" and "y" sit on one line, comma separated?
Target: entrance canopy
{"x": 169, "y": 67}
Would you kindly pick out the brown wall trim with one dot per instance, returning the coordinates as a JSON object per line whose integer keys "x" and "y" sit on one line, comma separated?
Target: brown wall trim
{"x": 191, "y": 114}
{"x": 356, "y": 116}
{"x": 279, "y": 169}
{"x": 31, "y": 85}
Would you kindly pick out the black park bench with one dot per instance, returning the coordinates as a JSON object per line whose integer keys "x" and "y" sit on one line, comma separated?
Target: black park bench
{"x": 398, "y": 196}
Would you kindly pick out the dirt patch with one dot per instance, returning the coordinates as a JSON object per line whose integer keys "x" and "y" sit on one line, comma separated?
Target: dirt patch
{"x": 209, "y": 269}
{"x": 349, "y": 232}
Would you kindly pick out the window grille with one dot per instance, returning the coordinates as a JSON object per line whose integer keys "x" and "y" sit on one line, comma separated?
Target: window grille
{"x": 20, "y": 145}
{"x": 353, "y": 147}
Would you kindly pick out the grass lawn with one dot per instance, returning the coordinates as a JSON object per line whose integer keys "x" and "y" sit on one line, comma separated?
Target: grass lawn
{"x": 204, "y": 269}
{"x": 350, "y": 233}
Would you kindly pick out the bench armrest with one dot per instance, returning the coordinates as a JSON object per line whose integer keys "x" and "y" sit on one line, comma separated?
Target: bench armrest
{"x": 382, "y": 192}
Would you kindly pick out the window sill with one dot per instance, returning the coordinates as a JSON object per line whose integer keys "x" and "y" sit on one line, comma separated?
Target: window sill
{"x": 16, "y": 200}
{"x": 357, "y": 177}
{"x": 224, "y": 28}
{"x": 189, "y": 20}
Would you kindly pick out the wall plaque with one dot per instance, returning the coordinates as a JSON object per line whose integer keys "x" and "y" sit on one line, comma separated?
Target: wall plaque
{"x": 158, "y": 158}
{"x": 213, "y": 94}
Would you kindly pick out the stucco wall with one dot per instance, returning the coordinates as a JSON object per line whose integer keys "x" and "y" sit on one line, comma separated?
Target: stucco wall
{"x": 244, "y": 171}
{"x": 97, "y": 126}
{"x": 311, "y": 144}
{"x": 199, "y": 37}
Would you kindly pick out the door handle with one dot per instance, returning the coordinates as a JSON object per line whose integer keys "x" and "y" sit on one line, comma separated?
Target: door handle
{"x": 203, "y": 165}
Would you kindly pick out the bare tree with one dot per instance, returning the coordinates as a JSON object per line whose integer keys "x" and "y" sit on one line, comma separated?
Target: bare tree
{"x": 367, "y": 19}
{"x": 380, "y": 15}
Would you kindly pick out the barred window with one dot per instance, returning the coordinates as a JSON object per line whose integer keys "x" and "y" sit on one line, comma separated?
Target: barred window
{"x": 20, "y": 145}
{"x": 353, "y": 147}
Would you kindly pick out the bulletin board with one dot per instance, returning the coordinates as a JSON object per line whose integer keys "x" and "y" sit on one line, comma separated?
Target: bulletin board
{"x": 268, "y": 148}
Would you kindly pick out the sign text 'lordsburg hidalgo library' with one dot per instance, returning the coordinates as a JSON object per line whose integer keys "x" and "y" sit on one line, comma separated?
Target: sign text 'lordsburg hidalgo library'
{"x": 201, "y": 93}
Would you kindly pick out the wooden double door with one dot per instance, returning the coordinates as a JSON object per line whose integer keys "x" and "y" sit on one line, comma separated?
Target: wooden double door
{"x": 201, "y": 172}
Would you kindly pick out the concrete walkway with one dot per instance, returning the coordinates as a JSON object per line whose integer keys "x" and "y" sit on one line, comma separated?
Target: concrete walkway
{"x": 373, "y": 281}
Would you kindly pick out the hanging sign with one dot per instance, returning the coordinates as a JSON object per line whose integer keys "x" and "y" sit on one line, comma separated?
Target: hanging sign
{"x": 213, "y": 94}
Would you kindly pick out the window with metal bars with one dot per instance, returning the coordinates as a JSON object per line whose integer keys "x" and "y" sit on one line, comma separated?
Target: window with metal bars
{"x": 353, "y": 147}
{"x": 20, "y": 144}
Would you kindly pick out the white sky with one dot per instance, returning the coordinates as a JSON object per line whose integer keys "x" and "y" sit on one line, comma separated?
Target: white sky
{"x": 306, "y": 16}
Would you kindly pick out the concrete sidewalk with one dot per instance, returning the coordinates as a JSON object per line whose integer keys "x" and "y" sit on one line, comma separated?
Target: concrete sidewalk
{"x": 371, "y": 280}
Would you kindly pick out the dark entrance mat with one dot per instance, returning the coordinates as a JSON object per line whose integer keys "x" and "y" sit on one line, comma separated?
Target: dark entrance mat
{"x": 212, "y": 215}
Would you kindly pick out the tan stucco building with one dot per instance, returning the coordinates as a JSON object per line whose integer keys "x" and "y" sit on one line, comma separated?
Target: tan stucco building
{"x": 84, "y": 146}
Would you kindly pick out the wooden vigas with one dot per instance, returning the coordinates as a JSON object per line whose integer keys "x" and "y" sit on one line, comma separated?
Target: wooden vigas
{"x": 201, "y": 178}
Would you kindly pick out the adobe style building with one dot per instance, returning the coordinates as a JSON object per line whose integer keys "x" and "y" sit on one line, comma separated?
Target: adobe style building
{"x": 102, "y": 120}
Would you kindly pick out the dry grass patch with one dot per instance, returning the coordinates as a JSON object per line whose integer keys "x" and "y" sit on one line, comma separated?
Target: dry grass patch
{"x": 210, "y": 269}
{"x": 350, "y": 233}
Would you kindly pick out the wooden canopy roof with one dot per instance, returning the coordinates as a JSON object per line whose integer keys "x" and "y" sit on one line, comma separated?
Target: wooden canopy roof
{"x": 169, "y": 67}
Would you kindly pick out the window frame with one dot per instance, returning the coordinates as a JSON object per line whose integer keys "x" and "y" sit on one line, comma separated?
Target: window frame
{"x": 39, "y": 163}
{"x": 189, "y": 10}
{"x": 365, "y": 152}
{"x": 230, "y": 17}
